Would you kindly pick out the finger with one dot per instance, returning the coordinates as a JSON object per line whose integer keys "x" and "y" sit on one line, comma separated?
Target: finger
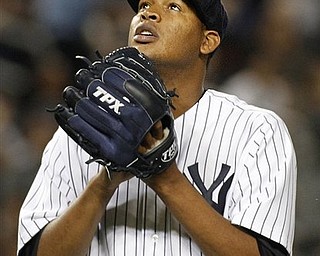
{"x": 83, "y": 78}
{"x": 71, "y": 96}
{"x": 157, "y": 130}
{"x": 142, "y": 150}
{"x": 148, "y": 141}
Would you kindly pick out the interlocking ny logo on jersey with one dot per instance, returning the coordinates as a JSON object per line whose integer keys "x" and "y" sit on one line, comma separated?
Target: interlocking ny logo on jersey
{"x": 207, "y": 193}
{"x": 106, "y": 97}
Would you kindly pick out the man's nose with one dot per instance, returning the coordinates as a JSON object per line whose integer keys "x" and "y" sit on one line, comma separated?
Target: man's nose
{"x": 150, "y": 15}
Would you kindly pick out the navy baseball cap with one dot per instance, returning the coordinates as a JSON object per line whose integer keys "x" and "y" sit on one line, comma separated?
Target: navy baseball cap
{"x": 210, "y": 12}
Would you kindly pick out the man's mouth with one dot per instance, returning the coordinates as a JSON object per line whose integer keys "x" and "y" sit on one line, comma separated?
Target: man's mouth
{"x": 145, "y": 34}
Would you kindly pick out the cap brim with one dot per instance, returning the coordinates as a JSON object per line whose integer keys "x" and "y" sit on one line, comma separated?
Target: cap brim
{"x": 134, "y": 4}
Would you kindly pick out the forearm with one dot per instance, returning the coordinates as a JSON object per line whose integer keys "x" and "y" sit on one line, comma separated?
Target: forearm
{"x": 214, "y": 234}
{"x": 72, "y": 232}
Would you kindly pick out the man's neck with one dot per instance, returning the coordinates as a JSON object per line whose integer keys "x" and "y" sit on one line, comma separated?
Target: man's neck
{"x": 188, "y": 85}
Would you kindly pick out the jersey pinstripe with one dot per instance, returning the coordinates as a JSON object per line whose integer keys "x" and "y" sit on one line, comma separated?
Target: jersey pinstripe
{"x": 239, "y": 157}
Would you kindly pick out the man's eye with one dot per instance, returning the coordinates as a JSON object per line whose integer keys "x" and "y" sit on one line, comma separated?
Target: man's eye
{"x": 175, "y": 7}
{"x": 144, "y": 6}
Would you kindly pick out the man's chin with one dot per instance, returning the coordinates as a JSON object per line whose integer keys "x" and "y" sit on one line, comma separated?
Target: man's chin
{"x": 149, "y": 50}
{"x": 146, "y": 49}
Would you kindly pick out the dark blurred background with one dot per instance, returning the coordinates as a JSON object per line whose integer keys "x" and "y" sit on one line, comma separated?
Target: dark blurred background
{"x": 270, "y": 58}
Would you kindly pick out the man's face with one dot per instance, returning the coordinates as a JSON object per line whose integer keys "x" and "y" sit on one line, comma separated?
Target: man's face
{"x": 167, "y": 31}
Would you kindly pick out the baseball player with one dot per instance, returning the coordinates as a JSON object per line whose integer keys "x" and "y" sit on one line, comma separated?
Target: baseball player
{"x": 226, "y": 181}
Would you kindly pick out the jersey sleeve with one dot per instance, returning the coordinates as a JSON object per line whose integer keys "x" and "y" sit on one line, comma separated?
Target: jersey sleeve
{"x": 60, "y": 179}
{"x": 263, "y": 198}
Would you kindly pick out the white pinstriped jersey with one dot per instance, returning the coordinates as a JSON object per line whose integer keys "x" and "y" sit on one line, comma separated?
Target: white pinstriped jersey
{"x": 239, "y": 157}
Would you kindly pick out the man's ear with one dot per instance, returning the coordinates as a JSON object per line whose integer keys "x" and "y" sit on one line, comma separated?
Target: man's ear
{"x": 211, "y": 41}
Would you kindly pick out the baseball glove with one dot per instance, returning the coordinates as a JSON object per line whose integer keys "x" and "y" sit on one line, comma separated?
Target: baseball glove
{"x": 112, "y": 107}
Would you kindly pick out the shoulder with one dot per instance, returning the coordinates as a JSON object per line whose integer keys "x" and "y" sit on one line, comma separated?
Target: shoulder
{"x": 240, "y": 117}
{"x": 231, "y": 103}
{"x": 218, "y": 111}
{"x": 59, "y": 143}
{"x": 229, "y": 100}
{"x": 63, "y": 150}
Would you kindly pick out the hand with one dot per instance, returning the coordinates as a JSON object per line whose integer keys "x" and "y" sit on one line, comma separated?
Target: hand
{"x": 113, "y": 113}
{"x": 107, "y": 182}
{"x": 151, "y": 138}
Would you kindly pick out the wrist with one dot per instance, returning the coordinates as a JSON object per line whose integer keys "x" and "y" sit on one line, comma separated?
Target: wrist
{"x": 101, "y": 187}
{"x": 165, "y": 180}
